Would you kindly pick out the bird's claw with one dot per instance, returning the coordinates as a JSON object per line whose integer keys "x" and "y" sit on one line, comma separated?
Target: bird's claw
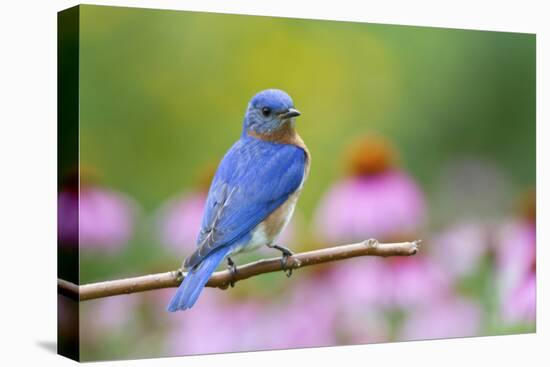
{"x": 284, "y": 259}
{"x": 179, "y": 273}
{"x": 287, "y": 271}
{"x": 232, "y": 270}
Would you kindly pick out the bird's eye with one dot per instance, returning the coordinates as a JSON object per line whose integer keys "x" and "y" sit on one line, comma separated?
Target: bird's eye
{"x": 266, "y": 111}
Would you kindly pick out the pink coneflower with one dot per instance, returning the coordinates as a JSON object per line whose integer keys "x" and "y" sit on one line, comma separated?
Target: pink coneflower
{"x": 516, "y": 266}
{"x": 216, "y": 326}
{"x": 520, "y": 304}
{"x": 108, "y": 316}
{"x": 460, "y": 248}
{"x": 376, "y": 200}
{"x": 413, "y": 282}
{"x": 446, "y": 318}
{"x": 305, "y": 319}
{"x": 180, "y": 221}
{"x": 106, "y": 218}
{"x": 399, "y": 283}
{"x": 67, "y": 217}
{"x": 93, "y": 216}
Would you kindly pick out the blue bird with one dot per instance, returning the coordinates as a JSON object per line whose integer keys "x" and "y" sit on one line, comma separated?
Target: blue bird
{"x": 252, "y": 195}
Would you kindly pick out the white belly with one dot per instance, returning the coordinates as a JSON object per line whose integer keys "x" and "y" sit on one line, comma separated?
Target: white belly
{"x": 267, "y": 232}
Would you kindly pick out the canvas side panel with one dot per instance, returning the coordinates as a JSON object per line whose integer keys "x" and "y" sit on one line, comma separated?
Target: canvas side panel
{"x": 68, "y": 31}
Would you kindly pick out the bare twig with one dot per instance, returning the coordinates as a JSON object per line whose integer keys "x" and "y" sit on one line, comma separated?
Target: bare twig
{"x": 222, "y": 279}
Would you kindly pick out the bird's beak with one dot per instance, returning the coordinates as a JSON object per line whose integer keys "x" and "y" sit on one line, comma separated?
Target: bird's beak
{"x": 291, "y": 112}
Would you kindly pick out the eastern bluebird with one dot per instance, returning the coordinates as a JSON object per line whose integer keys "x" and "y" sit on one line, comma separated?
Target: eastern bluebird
{"x": 253, "y": 193}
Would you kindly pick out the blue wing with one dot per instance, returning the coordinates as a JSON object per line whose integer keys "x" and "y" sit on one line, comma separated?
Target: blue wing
{"x": 254, "y": 178}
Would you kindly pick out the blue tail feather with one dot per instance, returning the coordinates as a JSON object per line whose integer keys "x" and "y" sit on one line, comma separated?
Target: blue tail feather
{"x": 191, "y": 287}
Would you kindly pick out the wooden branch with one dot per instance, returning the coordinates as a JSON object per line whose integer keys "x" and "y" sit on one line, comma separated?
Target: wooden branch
{"x": 222, "y": 279}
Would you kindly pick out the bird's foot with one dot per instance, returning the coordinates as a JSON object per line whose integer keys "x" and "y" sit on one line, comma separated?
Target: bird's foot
{"x": 284, "y": 259}
{"x": 179, "y": 273}
{"x": 233, "y": 270}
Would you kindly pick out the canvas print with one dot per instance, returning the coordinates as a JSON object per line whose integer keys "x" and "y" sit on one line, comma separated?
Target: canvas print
{"x": 232, "y": 183}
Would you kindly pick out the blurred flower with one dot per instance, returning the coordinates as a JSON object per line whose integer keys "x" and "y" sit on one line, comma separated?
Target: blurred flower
{"x": 357, "y": 282}
{"x": 351, "y": 291}
{"x": 67, "y": 218}
{"x": 445, "y": 318}
{"x": 516, "y": 273}
{"x": 397, "y": 283}
{"x": 305, "y": 319}
{"x": 515, "y": 253}
{"x": 360, "y": 325}
{"x": 106, "y": 218}
{"x": 377, "y": 200}
{"x": 180, "y": 221}
{"x": 114, "y": 312}
{"x": 91, "y": 215}
{"x": 369, "y": 290}
{"x": 108, "y": 315}
{"x": 520, "y": 305}
{"x": 216, "y": 326}
{"x": 516, "y": 264}
{"x": 412, "y": 282}
{"x": 460, "y": 248}
{"x": 376, "y": 207}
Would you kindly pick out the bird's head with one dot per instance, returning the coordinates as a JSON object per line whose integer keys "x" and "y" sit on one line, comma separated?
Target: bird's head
{"x": 268, "y": 112}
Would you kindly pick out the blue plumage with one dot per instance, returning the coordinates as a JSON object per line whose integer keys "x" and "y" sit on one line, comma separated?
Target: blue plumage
{"x": 253, "y": 179}
{"x": 257, "y": 175}
{"x": 191, "y": 287}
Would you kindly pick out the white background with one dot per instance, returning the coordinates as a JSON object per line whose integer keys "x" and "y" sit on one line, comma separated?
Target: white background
{"x": 28, "y": 181}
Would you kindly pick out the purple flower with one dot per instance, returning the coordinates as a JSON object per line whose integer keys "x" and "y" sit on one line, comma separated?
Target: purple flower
{"x": 100, "y": 218}
{"x": 306, "y": 319}
{"x": 180, "y": 221}
{"x": 358, "y": 282}
{"x": 376, "y": 200}
{"x": 516, "y": 273}
{"x": 445, "y": 318}
{"x": 107, "y": 316}
{"x": 410, "y": 282}
{"x": 460, "y": 248}
{"x": 384, "y": 205}
{"x": 520, "y": 305}
{"x": 413, "y": 282}
{"x": 400, "y": 283}
{"x": 67, "y": 218}
{"x": 106, "y": 218}
{"x": 216, "y": 326}
{"x": 360, "y": 325}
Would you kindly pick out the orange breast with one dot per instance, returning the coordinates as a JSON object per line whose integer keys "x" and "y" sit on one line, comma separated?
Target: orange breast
{"x": 279, "y": 218}
{"x": 287, "y": 134}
